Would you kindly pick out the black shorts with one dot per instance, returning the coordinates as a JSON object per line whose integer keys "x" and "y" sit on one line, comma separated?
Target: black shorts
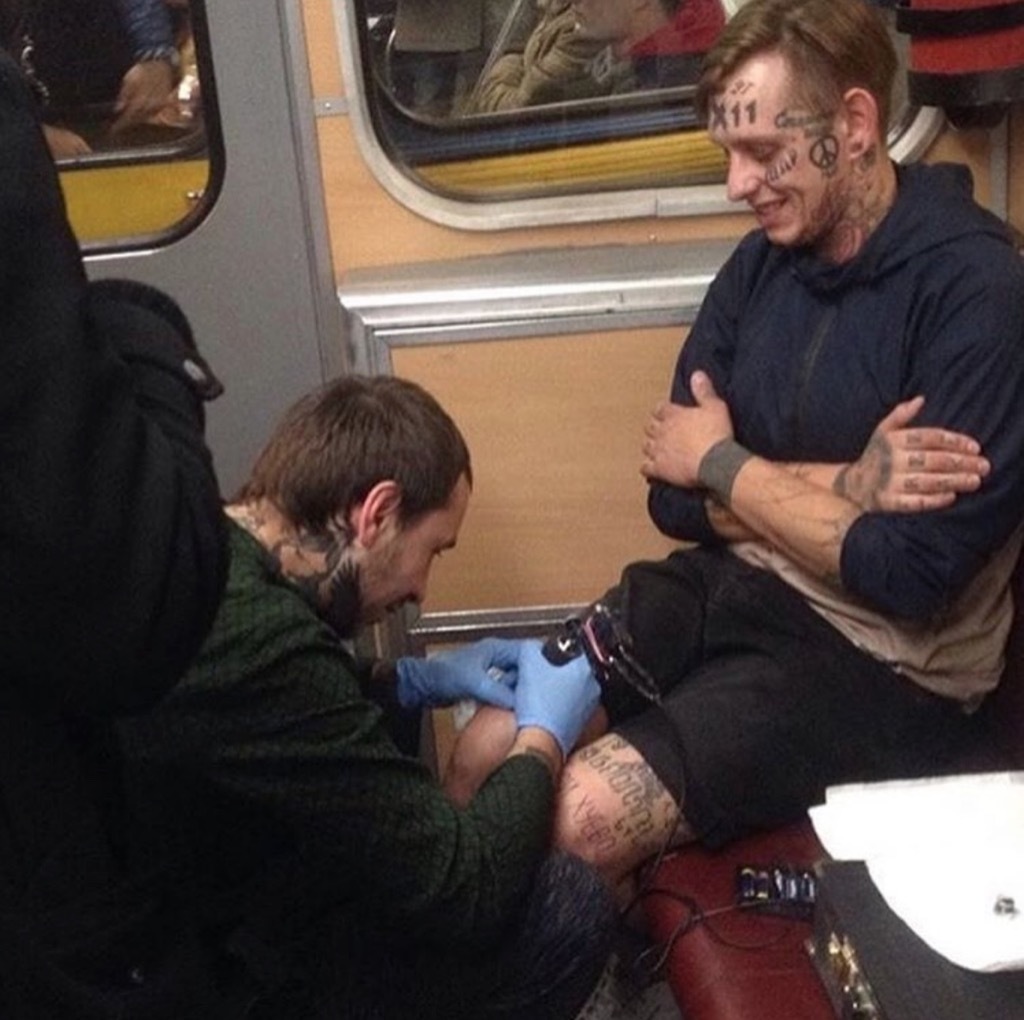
{"x": 765, "y": 704}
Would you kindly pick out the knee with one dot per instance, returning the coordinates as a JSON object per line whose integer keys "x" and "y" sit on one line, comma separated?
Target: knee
{"x": 479, "y": 749}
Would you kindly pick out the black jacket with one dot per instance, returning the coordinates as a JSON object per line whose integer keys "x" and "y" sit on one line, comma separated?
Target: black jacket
{"x": 112, "y": 548}
{"x": 113, "y": 556}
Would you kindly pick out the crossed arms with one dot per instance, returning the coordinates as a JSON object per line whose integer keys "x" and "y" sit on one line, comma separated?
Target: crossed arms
{"x": 803, "y": 509}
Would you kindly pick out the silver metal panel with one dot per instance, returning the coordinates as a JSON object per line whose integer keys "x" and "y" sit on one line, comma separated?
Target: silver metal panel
{"x": 471, "y": 625}
{"x": 524, "y": 294}
{"x": 255, "y": 278}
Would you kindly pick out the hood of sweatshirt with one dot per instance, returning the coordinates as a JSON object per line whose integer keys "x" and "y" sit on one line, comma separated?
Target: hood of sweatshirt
{"x": 934, "y": 206}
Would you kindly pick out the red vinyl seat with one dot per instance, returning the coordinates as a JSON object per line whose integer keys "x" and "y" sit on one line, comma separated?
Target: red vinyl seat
{"x": 737, "y": 964}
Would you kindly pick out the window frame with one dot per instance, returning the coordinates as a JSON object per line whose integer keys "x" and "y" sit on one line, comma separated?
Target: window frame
{"x": 908, "y": 140}
{"x": 205, "y": 144}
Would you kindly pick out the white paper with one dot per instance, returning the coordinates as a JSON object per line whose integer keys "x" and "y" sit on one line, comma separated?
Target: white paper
{"x": 943, "y": 853}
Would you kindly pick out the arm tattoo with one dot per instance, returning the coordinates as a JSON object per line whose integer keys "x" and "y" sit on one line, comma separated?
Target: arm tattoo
{"x": 863, "y": 481}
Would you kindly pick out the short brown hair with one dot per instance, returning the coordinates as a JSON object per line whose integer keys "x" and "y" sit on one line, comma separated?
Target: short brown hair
{"x": 335, "y": 444}
{"x": 830, "y": 46}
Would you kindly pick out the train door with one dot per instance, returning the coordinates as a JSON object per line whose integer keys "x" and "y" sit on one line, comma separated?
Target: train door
{"x": 243, "y": 246}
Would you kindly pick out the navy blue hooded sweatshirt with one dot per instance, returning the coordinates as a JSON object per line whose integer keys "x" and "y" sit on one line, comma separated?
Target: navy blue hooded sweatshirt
{"x": 811, "y": 356}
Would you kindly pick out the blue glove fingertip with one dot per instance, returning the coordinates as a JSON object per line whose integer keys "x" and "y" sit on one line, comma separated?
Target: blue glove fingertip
{"x": 499, "y": 695}
{"x": 407, "y": 689}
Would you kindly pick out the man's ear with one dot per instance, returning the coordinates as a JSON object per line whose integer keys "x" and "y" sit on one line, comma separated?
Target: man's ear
{"x": 377, "y": 512}
{"x": 861, "y": 114}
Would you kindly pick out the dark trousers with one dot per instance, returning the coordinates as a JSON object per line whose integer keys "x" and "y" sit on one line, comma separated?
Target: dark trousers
{"x": 765, "y": 703}
{"x": 545, "y": 969}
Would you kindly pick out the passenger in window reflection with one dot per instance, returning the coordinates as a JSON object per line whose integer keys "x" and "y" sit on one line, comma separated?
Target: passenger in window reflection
{"x": 101, "y": 69}
{"x": 585, "y": 48}
{"x": 660, "y": 41}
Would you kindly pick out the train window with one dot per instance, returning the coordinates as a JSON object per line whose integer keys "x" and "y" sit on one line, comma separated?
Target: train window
{"x": 125, "y": 103}
{"x": 518, "y": 104}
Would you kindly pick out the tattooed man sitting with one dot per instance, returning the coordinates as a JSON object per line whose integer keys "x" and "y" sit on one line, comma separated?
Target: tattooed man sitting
{"x": 843, "y": 455}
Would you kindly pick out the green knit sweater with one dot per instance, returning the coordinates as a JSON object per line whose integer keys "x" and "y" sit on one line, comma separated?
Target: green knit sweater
{"x": 270, "y": 774}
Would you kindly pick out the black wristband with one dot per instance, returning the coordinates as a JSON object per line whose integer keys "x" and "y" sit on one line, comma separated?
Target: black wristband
{"x": 719, "y": 467}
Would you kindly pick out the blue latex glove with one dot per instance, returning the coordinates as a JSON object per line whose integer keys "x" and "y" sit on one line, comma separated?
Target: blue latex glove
{"x": 484, "y": 671}
{"x": 559, "y": 699}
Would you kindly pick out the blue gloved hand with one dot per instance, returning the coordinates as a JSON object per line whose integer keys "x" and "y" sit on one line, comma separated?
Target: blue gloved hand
{"x": 559, "y": 699}
{"x": 484, "y": 671}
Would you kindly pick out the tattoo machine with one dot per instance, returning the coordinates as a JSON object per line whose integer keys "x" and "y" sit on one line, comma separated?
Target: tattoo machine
{"x": 600, "y": 636}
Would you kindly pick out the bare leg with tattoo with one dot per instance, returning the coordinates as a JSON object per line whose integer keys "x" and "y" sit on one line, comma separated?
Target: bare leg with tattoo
{"x": 614, "y": 812}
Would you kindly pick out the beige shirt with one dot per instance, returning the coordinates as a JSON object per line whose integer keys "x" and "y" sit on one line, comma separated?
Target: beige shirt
{"x": 959, "y": 655}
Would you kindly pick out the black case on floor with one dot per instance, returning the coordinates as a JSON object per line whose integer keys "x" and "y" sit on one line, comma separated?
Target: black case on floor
{"x": 875, "y": 968}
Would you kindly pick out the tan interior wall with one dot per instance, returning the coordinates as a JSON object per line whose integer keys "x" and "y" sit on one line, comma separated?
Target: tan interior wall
{"x": 554, "y": 425}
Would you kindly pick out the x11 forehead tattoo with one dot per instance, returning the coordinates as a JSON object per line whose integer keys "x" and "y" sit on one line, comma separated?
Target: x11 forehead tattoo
{"x": 725, "y": 115}
{"x": 729, "y": 107}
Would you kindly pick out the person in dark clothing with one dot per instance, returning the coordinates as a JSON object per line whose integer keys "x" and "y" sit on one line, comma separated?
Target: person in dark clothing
{"x": 322, "y": 861}
{"x": 113, "y": 554}
{"x": 843, "y": 452}
{"x": 110, "y": 532}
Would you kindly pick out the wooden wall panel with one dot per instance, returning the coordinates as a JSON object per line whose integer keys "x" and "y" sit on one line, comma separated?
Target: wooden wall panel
{"x": 322, "y": 44}
{"x": 369, "y": 228}
{"x": 554, "y": 426}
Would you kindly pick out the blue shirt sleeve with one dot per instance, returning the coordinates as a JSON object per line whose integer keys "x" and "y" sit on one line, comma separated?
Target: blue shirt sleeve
{"x": 677, "y": 512}
{"x": 148, "y": 24}
{"x": 967, "y": 358}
